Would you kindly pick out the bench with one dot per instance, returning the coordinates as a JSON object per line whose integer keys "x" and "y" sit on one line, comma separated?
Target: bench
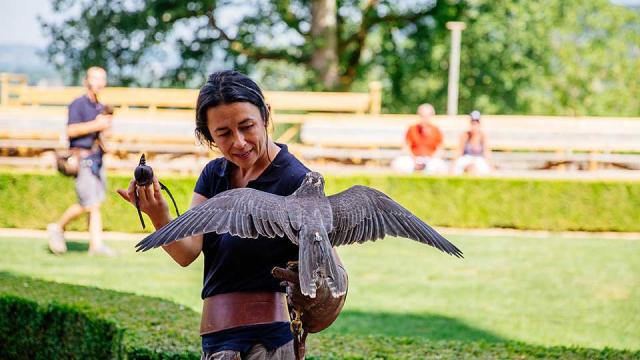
{"x": 130, "y": 133}
{"x": 342, "y": 127}
{"x": 523, "y": 142}
{"x": 159, "y": 122}
{"x": 154, "y": 104}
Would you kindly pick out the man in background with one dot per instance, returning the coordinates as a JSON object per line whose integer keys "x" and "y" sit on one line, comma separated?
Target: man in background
{"x": 424, "y": 142}
{"x": 84, "y": 127}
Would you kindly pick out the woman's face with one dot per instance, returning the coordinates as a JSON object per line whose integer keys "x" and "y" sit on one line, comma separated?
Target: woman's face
{"x": 239, "y": 132}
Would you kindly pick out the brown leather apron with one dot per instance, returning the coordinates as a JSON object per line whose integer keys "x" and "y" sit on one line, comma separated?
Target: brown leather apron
{"x": 225, "y": 311}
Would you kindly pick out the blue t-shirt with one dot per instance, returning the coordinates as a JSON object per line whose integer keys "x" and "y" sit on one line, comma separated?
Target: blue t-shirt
{"x": 235, "y": 264}
{"x": 82, "y": 110}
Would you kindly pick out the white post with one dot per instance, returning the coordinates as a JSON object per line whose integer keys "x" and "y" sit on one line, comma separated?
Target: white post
{"x": 456, "y": 28}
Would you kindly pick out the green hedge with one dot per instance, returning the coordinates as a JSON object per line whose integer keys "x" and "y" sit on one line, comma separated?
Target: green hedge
{"x": 33, "y": 200}
{"x": 46, "y": 320}
{"x": 53, "y": 332}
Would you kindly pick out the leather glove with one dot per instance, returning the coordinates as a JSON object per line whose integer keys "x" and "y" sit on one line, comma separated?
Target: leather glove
{"x": 317, "y": 313}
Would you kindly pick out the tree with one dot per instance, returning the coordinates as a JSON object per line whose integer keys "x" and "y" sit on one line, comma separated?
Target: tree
{"x": 503, "y": 50}
{"x": 326, "y": 37}
{"x": 546, "y": 57}
{"x": 550, "y": 57}
{"x": 594, "y": 64}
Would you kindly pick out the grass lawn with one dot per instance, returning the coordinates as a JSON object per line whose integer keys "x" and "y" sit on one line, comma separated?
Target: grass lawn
{"x": 541, "y": 291}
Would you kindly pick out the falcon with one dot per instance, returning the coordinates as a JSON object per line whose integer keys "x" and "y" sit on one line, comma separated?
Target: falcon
{"x": 308, "y": 218}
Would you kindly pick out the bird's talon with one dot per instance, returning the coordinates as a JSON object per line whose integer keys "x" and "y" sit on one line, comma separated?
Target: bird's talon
{"x": 296, "y": 322}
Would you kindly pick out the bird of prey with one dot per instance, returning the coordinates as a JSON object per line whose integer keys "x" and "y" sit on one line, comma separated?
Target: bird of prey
{"x": 307, "y": 218}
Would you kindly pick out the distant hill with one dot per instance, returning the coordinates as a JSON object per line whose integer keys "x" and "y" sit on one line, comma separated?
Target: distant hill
{"x": 29, "y": 60}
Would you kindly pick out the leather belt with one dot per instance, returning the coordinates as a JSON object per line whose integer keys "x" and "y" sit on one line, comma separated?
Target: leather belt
{"x": 225, "y": 311}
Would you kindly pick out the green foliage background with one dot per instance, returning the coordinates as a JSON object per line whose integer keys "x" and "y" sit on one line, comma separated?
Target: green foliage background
{"x": 554, "y": 57}
{"x": 33, "y": 200}
{"x": 525, "y": 57}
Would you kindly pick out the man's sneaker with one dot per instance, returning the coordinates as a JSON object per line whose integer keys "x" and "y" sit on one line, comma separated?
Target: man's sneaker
{"x": 57, "y": 245}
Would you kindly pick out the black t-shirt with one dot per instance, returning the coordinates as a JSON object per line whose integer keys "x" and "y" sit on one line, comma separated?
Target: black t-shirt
{"x": 82, "y": 110}
{"x": 235, "y": 264}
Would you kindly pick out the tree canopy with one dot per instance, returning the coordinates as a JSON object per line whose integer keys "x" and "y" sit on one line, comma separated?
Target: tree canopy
{"x": 548, "y": 57}
{"x": 326, "y": 37}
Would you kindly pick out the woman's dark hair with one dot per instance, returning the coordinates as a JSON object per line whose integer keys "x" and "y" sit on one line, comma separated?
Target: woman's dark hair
{"x": 226, "y": 87}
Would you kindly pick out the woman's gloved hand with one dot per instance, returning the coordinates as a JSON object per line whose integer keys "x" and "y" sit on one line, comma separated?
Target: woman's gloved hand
{"x": 317, "y": 313}
{"x": 150, "y": 200}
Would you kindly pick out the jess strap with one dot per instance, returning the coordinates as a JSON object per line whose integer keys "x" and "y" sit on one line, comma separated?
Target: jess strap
{"x": 226, "y": 311}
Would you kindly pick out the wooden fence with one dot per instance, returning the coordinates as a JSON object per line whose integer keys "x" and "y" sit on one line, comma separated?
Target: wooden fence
{"x": 330, "y": 126}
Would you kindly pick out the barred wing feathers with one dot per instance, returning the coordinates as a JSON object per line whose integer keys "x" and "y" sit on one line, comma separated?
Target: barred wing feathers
{"x": 243, "y": 212}
{"x": 361, "y": 213}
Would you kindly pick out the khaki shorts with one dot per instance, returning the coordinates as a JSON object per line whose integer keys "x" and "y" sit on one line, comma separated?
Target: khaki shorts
{"x": 257, "y": 352}
{"x": 90, "y": 189}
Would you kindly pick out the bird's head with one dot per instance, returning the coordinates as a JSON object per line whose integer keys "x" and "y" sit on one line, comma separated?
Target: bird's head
{"x": 313, "y": 183}
{"x": 314, "y": 179}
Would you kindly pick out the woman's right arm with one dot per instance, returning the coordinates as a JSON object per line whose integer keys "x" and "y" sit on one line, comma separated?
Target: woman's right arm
{"x": 152, "y": 203}
{"x": 186, "y": 250}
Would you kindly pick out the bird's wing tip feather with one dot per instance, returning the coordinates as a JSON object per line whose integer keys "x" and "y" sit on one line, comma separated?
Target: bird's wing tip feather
{"x": 457, "y": 253}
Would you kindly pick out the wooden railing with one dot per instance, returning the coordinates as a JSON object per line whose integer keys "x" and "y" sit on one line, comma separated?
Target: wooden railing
{"x": 16, "y": 92}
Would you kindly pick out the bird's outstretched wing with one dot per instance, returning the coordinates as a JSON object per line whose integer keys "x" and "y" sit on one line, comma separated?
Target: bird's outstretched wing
{"x": 242, "y": 212}
{"x": 361, "y": 213}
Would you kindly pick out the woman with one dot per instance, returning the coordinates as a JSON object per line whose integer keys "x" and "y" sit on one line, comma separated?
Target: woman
{"x": 474, "y": 154}
{"x": 244, "y": 312}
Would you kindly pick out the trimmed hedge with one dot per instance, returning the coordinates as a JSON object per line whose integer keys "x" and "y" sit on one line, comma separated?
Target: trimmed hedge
{"x": 33, "y": 200}
{"x": 54, "y": 332}
{"x": 46, "y": 320}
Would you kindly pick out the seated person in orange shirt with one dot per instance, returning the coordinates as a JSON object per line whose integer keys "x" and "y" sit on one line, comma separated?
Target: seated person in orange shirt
{"x": 424, "y": 142}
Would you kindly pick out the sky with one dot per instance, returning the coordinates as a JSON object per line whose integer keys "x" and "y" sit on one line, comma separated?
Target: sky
{"x": 19, "y": 20}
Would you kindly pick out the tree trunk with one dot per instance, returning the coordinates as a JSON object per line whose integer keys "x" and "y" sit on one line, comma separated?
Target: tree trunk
{"x": 324, "y": 60}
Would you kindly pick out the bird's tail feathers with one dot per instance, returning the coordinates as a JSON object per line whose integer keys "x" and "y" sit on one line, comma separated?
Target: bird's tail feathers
{"x": 333, "y": 277}
{"x": 317, "y": 265}
{"x": 306, "y": 270}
